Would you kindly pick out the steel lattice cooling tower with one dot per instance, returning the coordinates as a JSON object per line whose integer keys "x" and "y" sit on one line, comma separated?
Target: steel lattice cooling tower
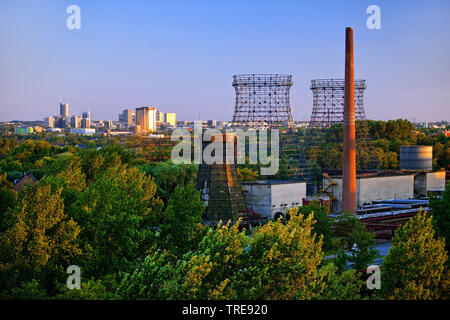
{"x": 328, "y": 101}
{"x": 262, "y": 100}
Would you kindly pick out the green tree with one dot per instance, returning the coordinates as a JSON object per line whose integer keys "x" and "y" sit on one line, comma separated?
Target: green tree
{"x": 8, "y": 201}
{"x": 281, "y": 262}
{"x": 247, "y": 174}
{"x": 168, "y": 176}
{"x": 322, "y": 225}
{"x": 41, "y": 238}
{"x": 180, "y": 219}
{"x": 336, "y": 286}
{"x": 415, "y": 265}
{"x": 441, "y": 215}
{"x": 356, "y": 243}
{"x": 115, "y": 214}
{"x": 201, "y": 274}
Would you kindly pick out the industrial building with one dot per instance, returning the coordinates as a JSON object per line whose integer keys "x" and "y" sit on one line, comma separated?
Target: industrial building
{"x": 271, "y": 198}
{"x": 425, "y": 182}
{"x": 370, "y": 188}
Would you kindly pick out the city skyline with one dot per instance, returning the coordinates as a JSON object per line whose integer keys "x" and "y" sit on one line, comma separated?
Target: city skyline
{"x": 149, "y": 54}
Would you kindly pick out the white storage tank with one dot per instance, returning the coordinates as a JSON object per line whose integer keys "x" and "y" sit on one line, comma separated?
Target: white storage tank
{"x": 416, "y": 158}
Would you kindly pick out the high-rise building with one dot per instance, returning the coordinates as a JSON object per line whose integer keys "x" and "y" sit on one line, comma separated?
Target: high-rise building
{"x": 86, "y": 120}
{"x": 75, "y": 121}
{"x": 64, "y": 110}
{"x": 171, "y": 118}
{"x": 108, "y": 124}
{"x": 61, "y": 122}
{"x": 126, "y": 117}
{"x": 145, "y": 120}
{"x": 159, "y": 117}
{"x": 212, "y": 123}
{"x": 49, "y": 122}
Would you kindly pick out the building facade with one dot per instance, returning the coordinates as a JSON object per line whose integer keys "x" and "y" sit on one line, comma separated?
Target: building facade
{"x": 145, "y": 120}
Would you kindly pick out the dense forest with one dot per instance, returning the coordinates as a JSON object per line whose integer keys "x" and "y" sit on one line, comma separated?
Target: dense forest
{"x": 134, "y": 229}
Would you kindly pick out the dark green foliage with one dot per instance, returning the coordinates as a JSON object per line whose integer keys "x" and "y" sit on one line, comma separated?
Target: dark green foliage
{"x": 168, "y": 176}
{"x": 356, "y": 243}
{"x": 323, "y": 223}
{"x": 415, "y": 265}
{"x": 441, "y": 215}
{"x": 180, "y": 219}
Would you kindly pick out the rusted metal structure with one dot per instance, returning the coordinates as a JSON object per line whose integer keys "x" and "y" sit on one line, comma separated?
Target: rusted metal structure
{"x": 262, "y": 101}
{"x": 156, "y": 149}
{"x": 349, "y": 166}
{"x": 293, "y": 164}
{"x": 328, "y": 101}
{"x": 220, "y": 189}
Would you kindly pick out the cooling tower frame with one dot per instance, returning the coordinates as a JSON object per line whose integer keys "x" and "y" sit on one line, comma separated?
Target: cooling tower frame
{"x": 328, "y": 101}
{"x": 262, "y": 101}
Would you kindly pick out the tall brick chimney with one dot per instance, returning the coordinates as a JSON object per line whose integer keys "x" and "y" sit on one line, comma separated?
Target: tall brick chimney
{"x": 349, "y": 169}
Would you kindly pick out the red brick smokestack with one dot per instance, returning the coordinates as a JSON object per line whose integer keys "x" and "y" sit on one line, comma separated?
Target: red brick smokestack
{"x": 349, "y": 169}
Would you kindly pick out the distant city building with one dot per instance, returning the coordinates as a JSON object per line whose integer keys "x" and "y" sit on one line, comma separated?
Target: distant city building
{"x": 75, "y": 121}
{"x": 49, "y": 122}
{"x": 23, "y": 130}
{"x": 222, "y": 123}
{"x": 108, "y": 124}
{"x": 126, "y": 117}
{"x": 82, "y": 131}
{"x": 171, "y": 118}
{"x": 64, "y": 110}
{"x": 160, "y": 117}
{"x": 212, "y": 123}
{"x": 86, "y": 120}
{"x": 61, "y": 122}
{"x": 86, "y": 115}
{"x": 145, "y": 120}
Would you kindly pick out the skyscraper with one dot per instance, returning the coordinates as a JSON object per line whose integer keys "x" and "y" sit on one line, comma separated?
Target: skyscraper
{"x": 75, "y": 121}
{"x": 126, "y": 117}
{"x": 64, "y": 110}
{"x": 49, "y": 122}
{"x": 145, "y": 120}
{"x": 86, "y": 120}
{"x": 159, "y": 117}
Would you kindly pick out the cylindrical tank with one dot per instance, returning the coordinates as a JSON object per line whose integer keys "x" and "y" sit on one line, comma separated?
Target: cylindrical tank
{"x": 416, "y": 157}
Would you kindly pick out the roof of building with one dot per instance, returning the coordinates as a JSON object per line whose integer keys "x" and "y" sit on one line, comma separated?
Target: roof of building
{"x": 272, "y": 182}
{"x": 28, "y": 178}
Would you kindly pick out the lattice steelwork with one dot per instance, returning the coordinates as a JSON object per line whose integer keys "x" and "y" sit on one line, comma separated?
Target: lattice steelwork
{"x": 262, "y": 100}
{"x": 328, "y": 101}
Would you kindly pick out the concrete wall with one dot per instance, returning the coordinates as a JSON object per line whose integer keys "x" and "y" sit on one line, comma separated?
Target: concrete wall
{"x": 257, "y": 197}
{"x": 435, "y": 180}
{"x": 269, "y": 199}
{"x": 286, "y": 196}
{"x": 378, "y": 188}
{"x": 375, "y": 188}
{"x": 427, "y": 181}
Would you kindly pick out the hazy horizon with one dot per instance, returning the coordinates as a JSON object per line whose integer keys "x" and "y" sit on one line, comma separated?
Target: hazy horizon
{"x": 180, "y": 56}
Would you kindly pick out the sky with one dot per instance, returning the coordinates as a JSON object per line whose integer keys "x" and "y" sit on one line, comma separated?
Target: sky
{"x": 180, "y": 56}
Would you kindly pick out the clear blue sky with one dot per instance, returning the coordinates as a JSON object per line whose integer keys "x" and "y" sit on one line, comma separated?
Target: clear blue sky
{"x": 180, "y": 55}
